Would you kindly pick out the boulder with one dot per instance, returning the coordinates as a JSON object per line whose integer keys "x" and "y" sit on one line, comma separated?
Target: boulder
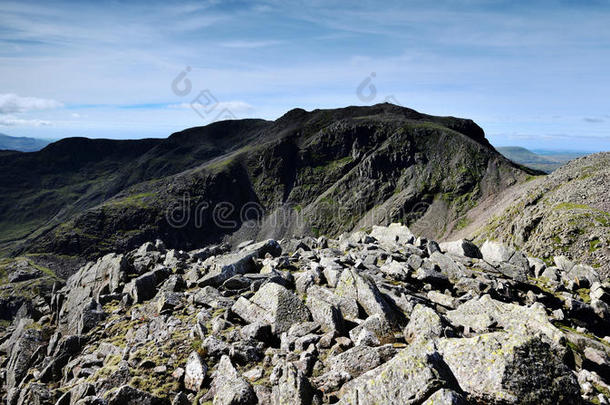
{"x": 106, "y": 274}
{"x": 495, "y": 252}
{"x": 195, "y": 372}
{"x": 92, "y": 314}
{"x": 127, "y": 395}
{"x": 223, "y": 268}
{"x": 327, "y": 314}
{"x": 409, "y": 378}
{"x": 291, "y": 386}
{"x": 360, "y": 359}
{"x": 509, "y": 368}
{"x": 393, "y": 234}
{"x": 479, "y": 314}
{"x": 229, "y": 387}
{"x": 365, "y": 292}
{"x": 461, "y": 247}
{"x": 144, "y": 287}
{"x": 423, "y": 323}
{"x": 274, "y": 305}
{"x": 449, "y": 267}
{"x": 22, "y": 349}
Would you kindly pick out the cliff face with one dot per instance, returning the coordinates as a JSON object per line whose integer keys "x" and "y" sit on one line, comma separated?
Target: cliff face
{"x": 307, "y": 173}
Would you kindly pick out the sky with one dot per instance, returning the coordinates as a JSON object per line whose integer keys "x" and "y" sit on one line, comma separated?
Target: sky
{"x": 530, "y": 73}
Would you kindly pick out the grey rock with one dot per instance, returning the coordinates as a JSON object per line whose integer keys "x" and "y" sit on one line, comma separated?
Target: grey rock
{"x": 461, "y": 247}
{"x": 393, "y": 234}
{"x": 127, "y": 395}
{"x": 229, "y": 387}
{"x": 409, "y": 378}
{"x": 365, "y": 292}
{"x": 511, "y": 367}
{"x": 292, "y": 386}
{"x": 325, "y": 313}
{"x": 144, "y": 287}
{"x": 446, "y": 397}
{"x": 222, "y": 269}
{"x": 423, "y": 323}
{"x": 360, "y": 359}
{"x": 274, "y": 305}
{"x": 92, "y": 314}
{"x": 448, "y": 266}
{"x": 479, "y": 314}
{"x": 195, "y": 372}
{"x": 376, "y": 324}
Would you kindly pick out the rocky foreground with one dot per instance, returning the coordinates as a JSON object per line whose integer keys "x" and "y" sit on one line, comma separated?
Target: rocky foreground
{"x": 379, "y": 318}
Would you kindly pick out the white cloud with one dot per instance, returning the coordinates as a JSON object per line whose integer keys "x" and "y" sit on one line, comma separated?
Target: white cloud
{"x": 11, "y": 120}
{"x": 11, "y": 103}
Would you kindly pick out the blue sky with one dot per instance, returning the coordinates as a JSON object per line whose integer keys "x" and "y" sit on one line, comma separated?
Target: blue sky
{"x": 531, "y": 73}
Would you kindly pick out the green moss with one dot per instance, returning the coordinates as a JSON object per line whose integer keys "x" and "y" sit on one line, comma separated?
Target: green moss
{"x": 594, "y": 245}
{"x": 462, "y": 223}
{"x": 583, "y": 293}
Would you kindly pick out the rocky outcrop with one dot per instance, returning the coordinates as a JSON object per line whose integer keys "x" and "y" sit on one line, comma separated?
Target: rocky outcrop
{"x": 564, "y": 214}
{"x": 364, "y": 319}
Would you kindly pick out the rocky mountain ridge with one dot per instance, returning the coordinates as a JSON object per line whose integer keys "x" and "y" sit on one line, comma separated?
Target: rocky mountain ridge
{"x": 322, "y": 172}
{"x": 377, "y": 317}
{"x": 565, "y": 213}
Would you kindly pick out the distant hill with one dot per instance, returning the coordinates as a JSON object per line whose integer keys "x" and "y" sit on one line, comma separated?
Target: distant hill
{"x": 21, "y": 144}
{"x": 547, "y": 161}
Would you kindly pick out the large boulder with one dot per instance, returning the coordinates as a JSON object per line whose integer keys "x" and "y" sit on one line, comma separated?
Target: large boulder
{"x": 409, "y": 378}
{"x": 360, "y": 359}
{"x": 229, "y": 387}
{"x": 195, "y": 372}
{"x": 496, "y": 252}
{"x": 509, "y": 368}
{"x": 291, "y": 386}
{"x": 423, "y": 322}
{"x": 88, "y": 282}
{"x": 480, "y": 314}
{"x": 364, "y": 290}
{"x": 273, "y": 305}
{"x": 461, "y": 247}
{"x": 223, "y": 268}
{"x": 21, "y": 349}
{"x": 393, "y": 234}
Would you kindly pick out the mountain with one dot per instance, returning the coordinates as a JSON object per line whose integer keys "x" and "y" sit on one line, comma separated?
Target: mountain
{"x": 565, "y": 213}
{"x": 546, "y": 161}
{"x": 243, "y": 263}
{"x": 322, "y": 172}
{"x": 21, "y": 144}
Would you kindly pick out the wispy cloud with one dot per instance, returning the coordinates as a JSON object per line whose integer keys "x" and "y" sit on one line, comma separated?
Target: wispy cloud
{"x": 10, "y": 120}
{"x": 12, "y": 103}
{"x": 593, "y": 120}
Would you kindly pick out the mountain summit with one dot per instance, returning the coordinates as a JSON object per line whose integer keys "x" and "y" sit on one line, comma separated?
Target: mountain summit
{"x": 307, "y": 173}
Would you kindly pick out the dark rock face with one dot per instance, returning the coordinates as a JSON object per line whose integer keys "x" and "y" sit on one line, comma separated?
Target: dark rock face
{"x": 319, "y": 172}
{"x": 349, "y": 321}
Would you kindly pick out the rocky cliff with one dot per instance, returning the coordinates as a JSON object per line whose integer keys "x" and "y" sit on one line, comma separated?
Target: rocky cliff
{"x": 377, "y": 317}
